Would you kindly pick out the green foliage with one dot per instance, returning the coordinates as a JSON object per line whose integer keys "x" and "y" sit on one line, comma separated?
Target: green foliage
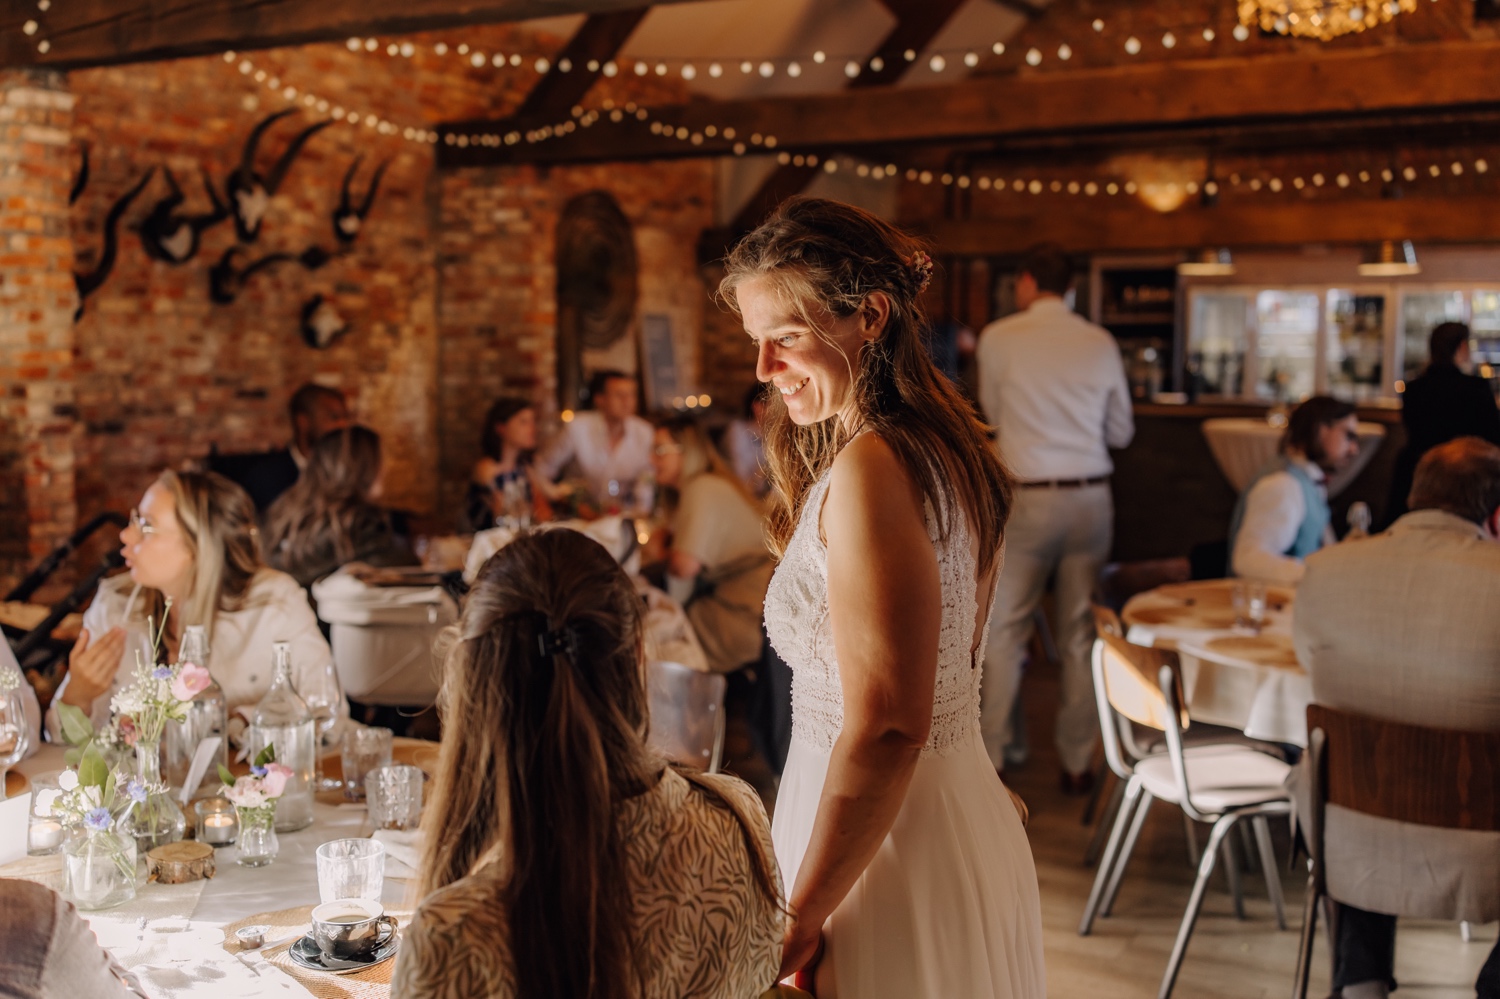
{"x": 267, "y": 755}
{"x": 76, "y": 727}
{"x": 92, "y": 770}
{"x": 225, "y": 775}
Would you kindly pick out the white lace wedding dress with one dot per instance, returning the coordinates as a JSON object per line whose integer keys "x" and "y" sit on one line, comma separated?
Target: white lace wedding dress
{"x": 949, "y": 906}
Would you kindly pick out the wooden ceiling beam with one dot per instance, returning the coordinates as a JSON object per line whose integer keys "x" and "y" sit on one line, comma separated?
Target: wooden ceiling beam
{"x": 83, "y": 33}
{"x": 1091, "y": 225}
{"x": 917, "y": 23}
{"x": 1336, "y": 85}
{"x": 597, "y": 40}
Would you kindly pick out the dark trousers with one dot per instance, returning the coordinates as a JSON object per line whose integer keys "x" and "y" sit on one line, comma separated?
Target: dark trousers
{"x": 1367, "y": 952}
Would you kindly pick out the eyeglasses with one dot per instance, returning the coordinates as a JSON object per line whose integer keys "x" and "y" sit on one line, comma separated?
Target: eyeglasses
{"x": 662, "y": 450}
{"x": 139, "y": 523}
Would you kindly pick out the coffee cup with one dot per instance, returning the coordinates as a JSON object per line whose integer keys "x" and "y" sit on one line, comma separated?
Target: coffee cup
{"x": 351, "y": 928}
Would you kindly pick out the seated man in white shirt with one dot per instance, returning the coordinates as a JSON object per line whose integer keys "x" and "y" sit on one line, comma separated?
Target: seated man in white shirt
{"x": 611, "y": 445}
{"x": 1282, "y": 516}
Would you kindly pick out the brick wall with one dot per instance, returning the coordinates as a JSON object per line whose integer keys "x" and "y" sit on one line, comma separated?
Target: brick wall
{"x": 497, "y": 279}
{"x": 448, "y": 291}
{"x": 38, "y": 432}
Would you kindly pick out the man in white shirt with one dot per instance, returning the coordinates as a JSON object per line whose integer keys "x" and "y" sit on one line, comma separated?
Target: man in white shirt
{"x": 1053, "y": 386}
{"x": 611, "y": 445}
{"x": 1282, "y": 516}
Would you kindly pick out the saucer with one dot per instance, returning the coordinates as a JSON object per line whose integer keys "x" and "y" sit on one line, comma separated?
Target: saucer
{"x": 305, "y": 954}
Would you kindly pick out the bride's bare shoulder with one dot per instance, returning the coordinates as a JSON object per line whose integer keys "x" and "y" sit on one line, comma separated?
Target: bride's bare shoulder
{"x": 869, "y": 474}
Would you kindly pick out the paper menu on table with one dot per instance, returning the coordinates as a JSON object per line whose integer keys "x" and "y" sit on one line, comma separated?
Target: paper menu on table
{"x": 14, "y": 815}
{"x": 207, "y": 750}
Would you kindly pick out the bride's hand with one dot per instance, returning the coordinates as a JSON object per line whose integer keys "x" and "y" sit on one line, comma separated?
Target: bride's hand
{"x": 801, "y": 947}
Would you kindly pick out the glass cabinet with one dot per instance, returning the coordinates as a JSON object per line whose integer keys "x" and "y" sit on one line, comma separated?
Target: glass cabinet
{"x": 1358, "y": 342}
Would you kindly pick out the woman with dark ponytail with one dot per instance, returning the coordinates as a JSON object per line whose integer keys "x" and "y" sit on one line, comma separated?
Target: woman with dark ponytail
{"x": 563, "y": 858}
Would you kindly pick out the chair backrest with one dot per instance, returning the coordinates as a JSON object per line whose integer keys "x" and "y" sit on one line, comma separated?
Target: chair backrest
{"x": 1132, "y": 678}
{"x": 1408, "y": 773}
{"x": 687, "y": 714}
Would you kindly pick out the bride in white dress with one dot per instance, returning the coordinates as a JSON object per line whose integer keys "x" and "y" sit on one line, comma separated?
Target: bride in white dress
{"x": 909, "y": 870}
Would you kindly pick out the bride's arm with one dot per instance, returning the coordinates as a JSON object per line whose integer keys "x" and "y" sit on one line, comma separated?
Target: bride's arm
{"x": 885, "y": 601}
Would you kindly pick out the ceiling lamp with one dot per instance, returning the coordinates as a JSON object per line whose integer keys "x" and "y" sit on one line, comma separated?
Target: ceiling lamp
{"x": 1210, "y": 263}
{"x": 1321, "y": 19}
{"x": 1392, "y": 259}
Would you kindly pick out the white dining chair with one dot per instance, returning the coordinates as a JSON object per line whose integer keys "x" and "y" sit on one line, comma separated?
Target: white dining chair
{"x": 1214, "y": 783}
{"x": 687, "y": 714}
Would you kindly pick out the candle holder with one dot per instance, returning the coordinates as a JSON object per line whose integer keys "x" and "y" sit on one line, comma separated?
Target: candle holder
{"x": 216, "y": 822}
{"x": 44, "y": 830}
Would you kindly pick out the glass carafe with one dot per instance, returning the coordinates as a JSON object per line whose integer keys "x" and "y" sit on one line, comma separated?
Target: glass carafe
{"x": 207, "y": 716}
{"x": 282, "y": 719}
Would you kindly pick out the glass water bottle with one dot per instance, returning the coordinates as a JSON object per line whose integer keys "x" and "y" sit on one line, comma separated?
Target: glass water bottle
{"x": 207, "y": 716}
{"x": 282, "y": 719}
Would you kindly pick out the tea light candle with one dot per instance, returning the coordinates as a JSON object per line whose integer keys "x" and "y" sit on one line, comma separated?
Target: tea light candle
{"x": 217, "y": 825}
{"x": 43, "y": 836}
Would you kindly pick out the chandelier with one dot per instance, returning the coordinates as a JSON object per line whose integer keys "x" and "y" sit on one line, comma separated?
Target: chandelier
{"x": 1320, "y": 19}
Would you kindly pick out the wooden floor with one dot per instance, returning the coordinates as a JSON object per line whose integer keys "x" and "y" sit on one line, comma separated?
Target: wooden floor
{"x": 1126, "y": 954}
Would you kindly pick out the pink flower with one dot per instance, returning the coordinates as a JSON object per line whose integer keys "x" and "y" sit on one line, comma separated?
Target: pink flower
{"x": 275, "y": 779}
{"x": 192, "y": 680}
{"x": 246, "y": 793}
{"x": 128, "y": 734}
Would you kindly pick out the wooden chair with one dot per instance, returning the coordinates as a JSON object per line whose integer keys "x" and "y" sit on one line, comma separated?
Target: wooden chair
{"x": 687, "y": 714}
{"x": 1217, "y": 783}
{"x": 1387, "y": 770}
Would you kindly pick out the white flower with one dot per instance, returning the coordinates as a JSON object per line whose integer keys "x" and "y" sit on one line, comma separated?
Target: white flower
{"x": 10, "y": 679}
{"x": 69, "y": 780}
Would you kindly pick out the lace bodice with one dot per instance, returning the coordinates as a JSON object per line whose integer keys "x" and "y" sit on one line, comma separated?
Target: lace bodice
{"x": 798, "y": 623}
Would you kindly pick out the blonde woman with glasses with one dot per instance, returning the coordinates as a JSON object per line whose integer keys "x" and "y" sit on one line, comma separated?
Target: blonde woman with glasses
{"x": 193, "y": 539}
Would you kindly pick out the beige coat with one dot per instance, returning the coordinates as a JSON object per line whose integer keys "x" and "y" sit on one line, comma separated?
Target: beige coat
{"x": 276, "y": 610}
{"x": 1405, "y": 626}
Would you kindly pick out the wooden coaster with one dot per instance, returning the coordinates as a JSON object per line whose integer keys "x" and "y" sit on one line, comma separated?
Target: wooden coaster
{"x": 1263, "y": 650}
{"x": 179, "y": 863}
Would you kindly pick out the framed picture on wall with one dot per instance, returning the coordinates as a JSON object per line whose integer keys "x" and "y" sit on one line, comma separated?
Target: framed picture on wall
{"x": 660, "y": 380}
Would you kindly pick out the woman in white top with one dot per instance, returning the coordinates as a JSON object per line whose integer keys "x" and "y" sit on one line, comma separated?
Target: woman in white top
{"x": 907, "y": 860}
{"x": 718, "y": 565}
{"x": 193, "y": 538}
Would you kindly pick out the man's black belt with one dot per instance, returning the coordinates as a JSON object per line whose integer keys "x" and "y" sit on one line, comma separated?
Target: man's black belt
{"x": 1097, "y": 480}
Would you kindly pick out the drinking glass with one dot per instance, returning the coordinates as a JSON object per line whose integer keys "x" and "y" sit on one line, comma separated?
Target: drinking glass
{"x": 351, "y": 868}
{"x": 364, "y": 750}
{"x": 394, "y": 797}
{"x": 325, "y": 699}
{"x": 1249, "y": 598}
{"x": 15, "y": 733}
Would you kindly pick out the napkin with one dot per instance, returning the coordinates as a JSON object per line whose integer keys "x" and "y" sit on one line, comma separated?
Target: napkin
{"x": 403, "y": 851}
{"x": 223, "y": 976}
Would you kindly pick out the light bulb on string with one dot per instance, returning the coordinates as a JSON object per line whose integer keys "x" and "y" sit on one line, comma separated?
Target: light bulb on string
{"x": 1034, "y": 57}
{"x": 937, "y": 63}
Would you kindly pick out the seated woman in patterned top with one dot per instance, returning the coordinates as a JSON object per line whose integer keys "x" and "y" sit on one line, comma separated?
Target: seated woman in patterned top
{"x": 562, "y": 856}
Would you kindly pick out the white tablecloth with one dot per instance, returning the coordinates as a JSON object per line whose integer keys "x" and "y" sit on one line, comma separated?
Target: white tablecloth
{"x": 233, "y": 893}
{"x": 1243, "y": 446}
{"x": 1264, "y": 702}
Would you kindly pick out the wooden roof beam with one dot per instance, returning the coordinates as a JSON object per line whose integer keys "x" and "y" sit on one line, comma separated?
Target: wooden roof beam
{"x": 83, "y": 33}
{"x": 597, "y": 40}
{"x": 1337, "y": 84}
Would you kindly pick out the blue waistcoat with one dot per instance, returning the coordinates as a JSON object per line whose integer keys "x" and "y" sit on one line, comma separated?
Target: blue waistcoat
{"x": 1314, "y": 522}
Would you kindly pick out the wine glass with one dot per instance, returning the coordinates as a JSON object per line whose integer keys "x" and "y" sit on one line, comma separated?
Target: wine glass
{"x": 15, "y": 732}
{"x": 325, "y": 700}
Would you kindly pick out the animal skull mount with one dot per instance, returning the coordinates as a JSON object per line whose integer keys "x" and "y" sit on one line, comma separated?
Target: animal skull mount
{"x": 172, "y": 236}
{"x": 87, "y": 284}
{"x": 321, "y": 323}
{"x": 249, "y": 191}
{"x": 347, "y": 219}
{"x": 226, "y": 281}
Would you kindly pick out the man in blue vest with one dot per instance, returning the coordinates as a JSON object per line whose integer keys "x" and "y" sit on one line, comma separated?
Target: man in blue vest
{"x": 1282, "y": 516}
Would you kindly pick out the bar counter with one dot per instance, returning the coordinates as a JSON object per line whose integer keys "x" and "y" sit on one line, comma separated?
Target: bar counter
{"x": 1170, "y": 495}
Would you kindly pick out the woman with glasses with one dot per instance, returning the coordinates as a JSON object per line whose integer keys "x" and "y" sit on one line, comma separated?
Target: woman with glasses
{"x": 718, "y": 565}
{"x": 192, "y": 540}
{"x": 1282, "y": 516}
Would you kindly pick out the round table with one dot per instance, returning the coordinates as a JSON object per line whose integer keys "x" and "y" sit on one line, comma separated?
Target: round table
{"x": 233, "y": 893}
{"x": 1249, "y": 682}
{"x": 1243, "y": 446}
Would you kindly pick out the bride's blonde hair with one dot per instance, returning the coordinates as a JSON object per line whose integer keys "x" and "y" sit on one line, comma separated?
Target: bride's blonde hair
{"x": 825, "y": 258}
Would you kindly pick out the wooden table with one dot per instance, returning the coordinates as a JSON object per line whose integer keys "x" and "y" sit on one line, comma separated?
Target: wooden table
{"x": 1249, "y": 682}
